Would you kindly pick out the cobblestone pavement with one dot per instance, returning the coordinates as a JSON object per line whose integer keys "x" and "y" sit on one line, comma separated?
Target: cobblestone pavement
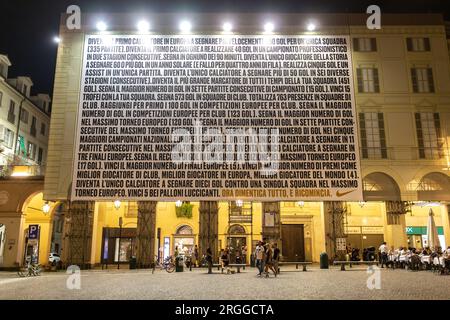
{"x": 198, "y": 285}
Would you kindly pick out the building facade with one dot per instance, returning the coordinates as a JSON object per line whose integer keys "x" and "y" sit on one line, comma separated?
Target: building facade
{"x": 402, "y": 89}
{"x": 24, "y": 122}
{"x": 24, "y": 131}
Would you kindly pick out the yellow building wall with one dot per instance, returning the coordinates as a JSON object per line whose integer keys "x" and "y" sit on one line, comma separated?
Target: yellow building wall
{"x": 308, "y": 214}
{"x": 167, "y": 220}
{"x": 252, "y": 234}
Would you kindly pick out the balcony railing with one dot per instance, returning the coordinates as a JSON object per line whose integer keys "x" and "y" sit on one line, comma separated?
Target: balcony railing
{"x": 404, "y": 153}
{"x": 22, "y": 171}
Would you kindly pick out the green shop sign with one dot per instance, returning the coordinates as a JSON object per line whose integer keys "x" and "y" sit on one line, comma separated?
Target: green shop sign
{"x": 422, "y": 230}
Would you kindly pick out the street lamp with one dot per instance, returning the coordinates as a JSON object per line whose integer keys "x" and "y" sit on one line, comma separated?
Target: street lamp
{"x": 120, "y": 237}
{"x": 101, "y": 26}
{"x": 269, "y": 27}
{"x": 311, "y": 26}
{"x": 143, "y": 26}
{"x": 227, "y": 27}
{"x": 185, "y": 26}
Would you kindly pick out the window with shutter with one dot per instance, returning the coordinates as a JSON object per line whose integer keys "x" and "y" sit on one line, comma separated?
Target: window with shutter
{"x": 418, "y": 44}
{"x": 419, "y": 136}
{"x": 362, "y": 128}
{"x": 368, "y": 81}
{"x": 430, "y": 80}
{"x": 364, "y": 44}
{"x": 414, "y": 80}
{"x": 427, "y": 44}
{"x": 355, "y": 44}
{"x": 409, "y": 44}
{"x": 373, "y": 140}
{"x": 429, "y": 135}
{"x": 359, "y": 80}
{"x": 422, "y": 80}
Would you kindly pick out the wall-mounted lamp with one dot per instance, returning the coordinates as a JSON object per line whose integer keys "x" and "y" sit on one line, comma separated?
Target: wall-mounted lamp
{"x": 46, "y": 208}
{"x": 362, "y": 203}
{"x": 301, "y": 204}
{"x": 117, "y": 204}
{"x": 239, "y": 203}
{"x": 178, "y": 203}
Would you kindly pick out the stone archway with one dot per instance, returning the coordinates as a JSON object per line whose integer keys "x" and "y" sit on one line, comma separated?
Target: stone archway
{"x": 379, "y": 186}
{"x": 36, "y": 216}
{"x": 16, "y": 194}
{"x": 434, "y": 186}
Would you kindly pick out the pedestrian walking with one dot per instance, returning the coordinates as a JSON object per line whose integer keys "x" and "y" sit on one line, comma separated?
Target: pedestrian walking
{"x": 209, "y": 259}
{"x": 225, "y": 259}
{"x": 244, "y": 254}
{"x": 276, "y": 258}
{"x": 383, "y": 254}
{"x": 195, "y": 257}
{"x": 259, "y": 257}
{"x": 269, "y": 260}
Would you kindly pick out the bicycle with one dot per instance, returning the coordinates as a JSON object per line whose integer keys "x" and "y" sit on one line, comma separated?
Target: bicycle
{"x": 167, "y": 265}
{"x": 31, "y": 270}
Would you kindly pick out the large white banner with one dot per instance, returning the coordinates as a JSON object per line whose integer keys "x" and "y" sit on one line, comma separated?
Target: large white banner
{"x": 209, "y": 117}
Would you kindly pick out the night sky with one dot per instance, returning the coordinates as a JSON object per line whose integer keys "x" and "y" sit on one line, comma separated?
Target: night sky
{"x": 28, "y": 26}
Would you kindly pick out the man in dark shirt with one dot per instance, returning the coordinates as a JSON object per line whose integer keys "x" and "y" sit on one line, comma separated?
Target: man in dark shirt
{"x": 276, "y": 257}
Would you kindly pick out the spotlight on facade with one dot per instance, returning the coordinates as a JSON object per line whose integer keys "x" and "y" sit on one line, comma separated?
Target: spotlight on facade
{"x": 311, "y": 26}
{"x": 239, "y": 203}
{"x": 56, "y": 39}
{"x": 143, "y": 26}
{"x": 117, "y": 204}
{"x": 185, "y": 26}
{"x": 46, "y": 208}
{"x": 301, "y": 204}
{"x": 101, "y": 26}
{"x": 178, "y": 203}
{"x": 269, "y": 27}
{"x": 227, "y": 27}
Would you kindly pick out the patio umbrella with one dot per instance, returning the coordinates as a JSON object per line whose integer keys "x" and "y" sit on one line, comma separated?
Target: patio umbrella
{"x": 433, "y": 239}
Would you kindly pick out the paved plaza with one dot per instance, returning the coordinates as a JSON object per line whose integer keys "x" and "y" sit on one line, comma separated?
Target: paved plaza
{"x": 198, "y": 285}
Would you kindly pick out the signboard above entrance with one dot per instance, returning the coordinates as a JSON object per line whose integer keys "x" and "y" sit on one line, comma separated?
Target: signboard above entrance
{"x": 207, "y": 117}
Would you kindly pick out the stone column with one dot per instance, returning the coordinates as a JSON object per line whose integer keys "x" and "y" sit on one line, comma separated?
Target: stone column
{"x": 209, "y": 228}
{"x": 446, "y": 223}
{"x": 145, "y": 235}
{"x": 78, "y": 230}
{"x": 334, "y": 213}
{"x": 395, "y": 224}
{"x": 271, "y": 229}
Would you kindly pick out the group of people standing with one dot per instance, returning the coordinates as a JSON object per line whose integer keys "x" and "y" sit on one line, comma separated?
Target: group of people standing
{"x": 239, "y": 258}
{"x": 267, "y": 256}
